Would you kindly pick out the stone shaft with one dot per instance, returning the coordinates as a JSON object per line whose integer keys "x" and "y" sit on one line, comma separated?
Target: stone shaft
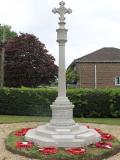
{"x": 62, "y": 108}
{"x": 62, "y": 72}
{"x": 62, "y": 39}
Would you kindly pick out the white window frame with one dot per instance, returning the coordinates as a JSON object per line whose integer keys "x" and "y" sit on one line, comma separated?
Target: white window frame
{"x": 117, "y": 84}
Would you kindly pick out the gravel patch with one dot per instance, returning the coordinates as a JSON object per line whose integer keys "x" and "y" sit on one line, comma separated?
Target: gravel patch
{"x": 5, "y": 129}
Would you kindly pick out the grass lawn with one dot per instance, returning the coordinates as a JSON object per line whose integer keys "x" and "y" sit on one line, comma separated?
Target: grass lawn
{"x": 108, "y": 121}
{"x": 17, "y": 119}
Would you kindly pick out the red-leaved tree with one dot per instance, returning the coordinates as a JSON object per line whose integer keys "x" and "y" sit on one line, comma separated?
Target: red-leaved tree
{"x": 27, "y": 62}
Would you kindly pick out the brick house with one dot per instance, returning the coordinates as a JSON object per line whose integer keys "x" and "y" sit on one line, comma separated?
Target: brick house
{"x": 99, "y": 69}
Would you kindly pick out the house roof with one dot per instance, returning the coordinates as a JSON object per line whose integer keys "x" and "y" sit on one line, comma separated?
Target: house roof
{"x": 102, "y": 55}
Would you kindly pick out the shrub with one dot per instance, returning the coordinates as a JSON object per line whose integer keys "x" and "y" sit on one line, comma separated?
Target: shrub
{"x": 26, "y": 101}
{"x": 115, "y": 103}
{"x": 91, "y": 103}
{"x": 88, "y": 102}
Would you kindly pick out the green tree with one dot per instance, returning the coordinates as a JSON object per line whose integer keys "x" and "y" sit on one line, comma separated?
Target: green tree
{"x": 8, "y": 32}
{"x": 5, "y": 34}
{"x": 71, "y": 76}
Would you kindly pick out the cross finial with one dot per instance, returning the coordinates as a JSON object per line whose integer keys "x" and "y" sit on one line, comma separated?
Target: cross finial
{"x": 62, "y": 11}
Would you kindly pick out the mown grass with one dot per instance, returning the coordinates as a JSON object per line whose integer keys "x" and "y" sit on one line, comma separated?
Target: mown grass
{"x": 108, "y": 121}
{"x": 19, "y": 119}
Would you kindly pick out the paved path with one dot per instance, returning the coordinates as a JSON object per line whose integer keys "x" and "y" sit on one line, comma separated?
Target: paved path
{"x": 5, "y": 129}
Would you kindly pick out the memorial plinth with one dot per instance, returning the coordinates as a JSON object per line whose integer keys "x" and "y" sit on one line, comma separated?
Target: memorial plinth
{"x": 62, "y": 131}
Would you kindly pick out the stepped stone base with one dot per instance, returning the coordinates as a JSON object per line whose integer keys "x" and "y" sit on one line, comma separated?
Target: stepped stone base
{"x": 74, "y": 136}
{"x": 62, "y": 131}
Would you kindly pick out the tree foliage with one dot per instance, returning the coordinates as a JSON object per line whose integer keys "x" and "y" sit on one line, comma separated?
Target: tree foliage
{"x": 71, "y": 76}
{"x": 27, "y": 62}
{"x": 8, "y": 32}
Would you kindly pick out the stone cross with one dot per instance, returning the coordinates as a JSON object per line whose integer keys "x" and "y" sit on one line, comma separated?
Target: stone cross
{"x": 62, "y": 11}
{"x": 62, "y": 39}
{"x": 62, "y": 108}
{"x": 62, "y": 131}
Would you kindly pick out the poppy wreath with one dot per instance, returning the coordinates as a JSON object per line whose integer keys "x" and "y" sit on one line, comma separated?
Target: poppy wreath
{"x": 76, "y": 151}
{"x": 99, "y": 130}
{"x": 105, "y": 145}
{"x": 106, "y": 136}
{"x": 48, "y": 150}
{"x": 22, "y": 132}
{"x": 20, "y": 144}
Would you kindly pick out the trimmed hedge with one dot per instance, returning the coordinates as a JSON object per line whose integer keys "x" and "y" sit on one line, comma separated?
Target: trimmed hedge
{"x": 26, "y": 101}
{"x": 88, "y": 102}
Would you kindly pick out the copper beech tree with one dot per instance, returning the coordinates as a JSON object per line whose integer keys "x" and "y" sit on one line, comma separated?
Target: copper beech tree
{"x": 27, "y": 62}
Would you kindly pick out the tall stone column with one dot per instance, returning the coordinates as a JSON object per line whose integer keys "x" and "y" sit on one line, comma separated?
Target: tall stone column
{"x": 62, "y": 131}
{"x": 62, "y": 108}
{"x": 62, "y": 39}
{"x": 61, "y": 72}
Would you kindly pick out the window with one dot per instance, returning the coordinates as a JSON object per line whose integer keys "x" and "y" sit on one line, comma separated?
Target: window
{"x": 117, "y": 81}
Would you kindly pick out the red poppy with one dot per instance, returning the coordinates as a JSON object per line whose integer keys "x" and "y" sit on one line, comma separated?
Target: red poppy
{"x": 48, "y": 150}
{"x": 106, "y": 145}
{"x": 18, "y": 133}
{"x": 76, "y": 151}
{"x": 99, "y": 130}
{"x": 106, "y": 136}
{"x": 22, "y": 132}
{"x": 20, "y": 144}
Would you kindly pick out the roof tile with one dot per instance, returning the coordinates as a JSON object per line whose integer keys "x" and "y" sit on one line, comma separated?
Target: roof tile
{"x": 102, "y": 55}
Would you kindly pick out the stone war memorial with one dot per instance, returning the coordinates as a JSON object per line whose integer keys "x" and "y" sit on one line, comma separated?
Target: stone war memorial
{"x": 62, "y": 138}
{"x": 62, "y": 131}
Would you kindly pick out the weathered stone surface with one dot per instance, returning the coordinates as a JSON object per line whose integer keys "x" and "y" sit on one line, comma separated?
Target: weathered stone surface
{"x": 67, "y": 136}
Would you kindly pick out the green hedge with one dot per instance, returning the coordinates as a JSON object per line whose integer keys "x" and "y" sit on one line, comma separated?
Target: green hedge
{"x": 26, "y": 101}
{"x": 88, "y": 103}
{"x": 91, "y": 103}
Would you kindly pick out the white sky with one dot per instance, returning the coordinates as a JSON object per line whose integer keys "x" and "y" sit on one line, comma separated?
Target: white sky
{"x": 92, "y": 25}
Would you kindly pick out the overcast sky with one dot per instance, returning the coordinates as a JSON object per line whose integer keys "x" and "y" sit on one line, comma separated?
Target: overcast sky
{"x": 92, "y": 25}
